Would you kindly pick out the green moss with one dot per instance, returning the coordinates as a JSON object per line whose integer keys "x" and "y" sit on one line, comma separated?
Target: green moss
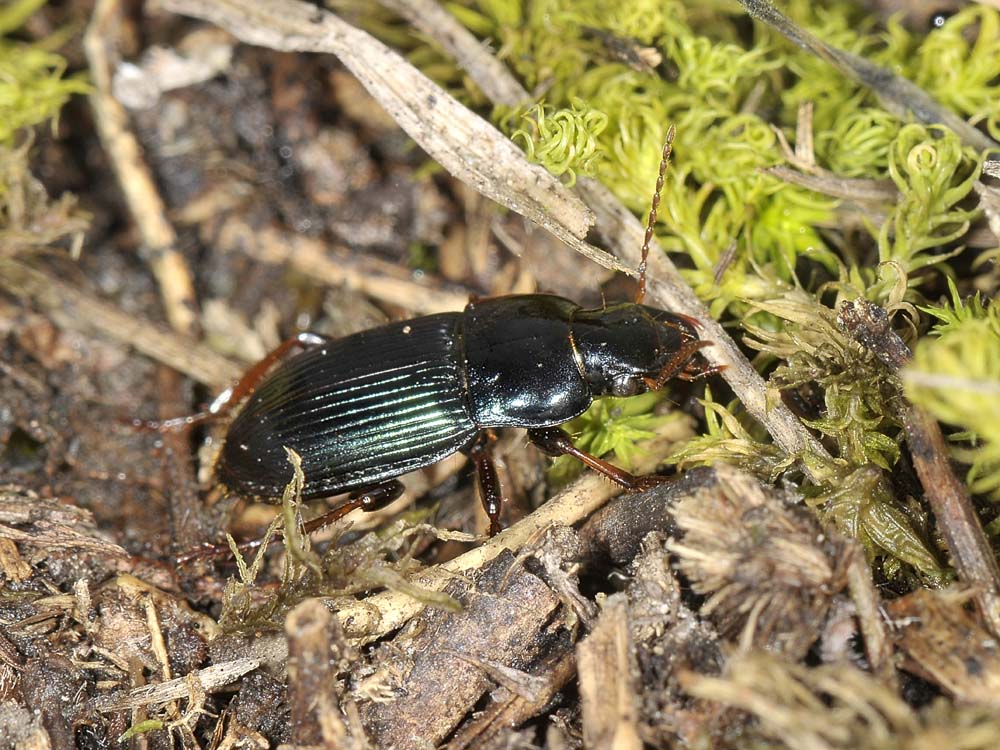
{"x": 564, "y": 140}
{"x": 612, "y": 425}
{"x": 814, "y": 362}
{"x": 933, "y": 173}
{"x": 955, "y": 374}
{"x": 730, "y": 438}
{"x": 959, "y": 64}
{"x": 33, "y": 85}
{"x": 716, "y": 88}
{"x": 33, "y": 88}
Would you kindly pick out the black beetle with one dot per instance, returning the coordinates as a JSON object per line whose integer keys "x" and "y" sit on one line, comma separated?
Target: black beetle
{"x": 363, "y": 410}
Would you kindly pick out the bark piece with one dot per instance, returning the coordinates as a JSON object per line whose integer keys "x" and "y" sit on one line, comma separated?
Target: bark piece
{"x": 607, "y": 666}
{"x": 434, "y": 682}
{"x": 946, "y": 645}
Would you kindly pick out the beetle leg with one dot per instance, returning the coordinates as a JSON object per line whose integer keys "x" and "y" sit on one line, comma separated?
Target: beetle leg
{"x": 677, "y": 365}
{"x": 235, "y": 393}
{"x": 481, "y": 453}
{"x": 695, "y": 370}
{"x": 368, "y": 499}
{"x": 554, "y": 442}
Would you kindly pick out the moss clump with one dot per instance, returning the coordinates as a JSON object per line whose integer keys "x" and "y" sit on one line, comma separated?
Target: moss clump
{"x": 33, "y": 88}
{"x": 33, "y": 85}
{"x": 955, "y": 374}
{"x": 565, "y": 139}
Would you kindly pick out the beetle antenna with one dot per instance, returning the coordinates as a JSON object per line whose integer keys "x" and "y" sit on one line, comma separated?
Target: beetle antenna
{"x": 668, "y": 146}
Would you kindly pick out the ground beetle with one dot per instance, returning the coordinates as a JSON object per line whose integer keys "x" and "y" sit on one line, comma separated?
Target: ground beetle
{"x": 363, "y": 410}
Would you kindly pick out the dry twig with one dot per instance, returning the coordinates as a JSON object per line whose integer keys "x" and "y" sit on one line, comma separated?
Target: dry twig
{"x": 141, "y": 195}
{"x": 74, "y": 309}
{"x": 210, "y": 678}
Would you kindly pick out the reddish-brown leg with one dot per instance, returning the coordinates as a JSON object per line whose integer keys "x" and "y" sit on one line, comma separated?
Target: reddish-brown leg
{"x": 677, "y": 365}
{"x": 554, "y": 442}
{"x": 481, "y": 454}
{"x": 368, "y": 499}
{"x": 694, "y": 370}
{"x": 236, "y": 393}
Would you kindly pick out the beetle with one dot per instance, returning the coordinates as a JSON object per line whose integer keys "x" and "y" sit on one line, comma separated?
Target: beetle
{"x": 363, "y": 410}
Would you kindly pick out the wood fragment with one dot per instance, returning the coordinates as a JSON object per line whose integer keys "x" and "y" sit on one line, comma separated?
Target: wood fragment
{"x": 49, "y": 684}
{"x": 506, "y": 611}
{"x": 866, "y": 600}
{"x": 669, "y": 639}
{"x": 14, "y": 567}
{"x": 210, "y": 678}
{"x": 607, "y": 667}
{"x": 47, "y": 535}
{"x": 315, "y": 647}
{"x": 944, "y": 644}
{"x": 989, "y": 201}
{"x": 509, "y": 709}
{"x": 971, "y": 553}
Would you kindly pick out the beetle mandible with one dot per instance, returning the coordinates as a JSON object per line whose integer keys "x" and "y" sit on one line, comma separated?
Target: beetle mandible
{"x": 361, "y": 411}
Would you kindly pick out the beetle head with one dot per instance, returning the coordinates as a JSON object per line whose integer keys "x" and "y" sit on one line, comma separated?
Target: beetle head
{"x": 623, "y": 348}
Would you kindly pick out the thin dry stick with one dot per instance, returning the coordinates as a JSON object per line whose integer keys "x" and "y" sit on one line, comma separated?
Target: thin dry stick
{"x": 378, "y": 279}
{"x": 209, "y": 678}
{"x": 472, "y": 56}
{"x": 848, "y": 188}
{"x": 144, "y": 202}
{"x": 78, "y": 310}
{"x": 948, "y": 497}
{"x": 313, "y": 641}
{"x": 878, "y": 645}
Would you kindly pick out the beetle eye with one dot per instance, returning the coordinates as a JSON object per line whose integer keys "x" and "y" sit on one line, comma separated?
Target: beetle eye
{"x": 624, "y": 386}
